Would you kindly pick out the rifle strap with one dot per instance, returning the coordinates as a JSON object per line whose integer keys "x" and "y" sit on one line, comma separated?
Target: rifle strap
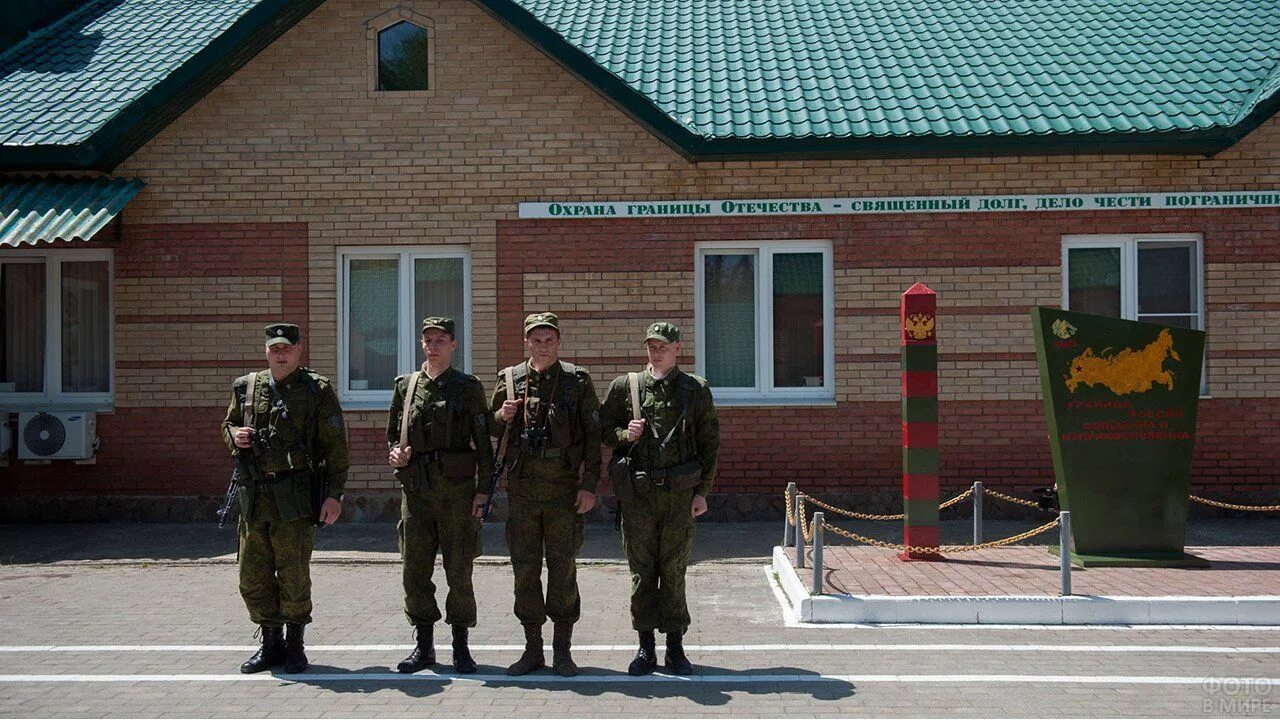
{"x": 511, "y": 395}
{"x": 633, "y": 379}
{"x": 407, "y": 407}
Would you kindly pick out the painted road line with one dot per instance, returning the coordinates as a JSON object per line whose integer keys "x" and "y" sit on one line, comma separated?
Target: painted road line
{"x": 780, "y": 647}
{"x": 721, "y": 679}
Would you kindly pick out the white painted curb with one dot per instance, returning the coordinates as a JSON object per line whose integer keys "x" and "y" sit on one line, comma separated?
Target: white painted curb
{"x": 1021, "y": 609}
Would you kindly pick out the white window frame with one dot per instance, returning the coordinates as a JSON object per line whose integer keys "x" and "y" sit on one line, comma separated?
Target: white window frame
{"x": 410, "y": 354}
{"x": 53, "y": 396}
{"x": 1128, "y": 245}
{"x": 763, "y": 393}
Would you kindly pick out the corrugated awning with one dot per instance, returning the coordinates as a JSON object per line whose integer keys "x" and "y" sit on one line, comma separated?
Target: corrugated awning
{"x": 36, "y": 210}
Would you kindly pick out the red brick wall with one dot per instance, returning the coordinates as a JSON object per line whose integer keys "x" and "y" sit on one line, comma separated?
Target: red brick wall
{"x": 174, "y": 365}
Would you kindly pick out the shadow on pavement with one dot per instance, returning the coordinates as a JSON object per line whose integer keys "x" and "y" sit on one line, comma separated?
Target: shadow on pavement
{"x": 599, "y": 681}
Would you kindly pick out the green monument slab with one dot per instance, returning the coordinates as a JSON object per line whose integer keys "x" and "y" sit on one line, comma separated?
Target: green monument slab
{"x": 1120, "y": 397}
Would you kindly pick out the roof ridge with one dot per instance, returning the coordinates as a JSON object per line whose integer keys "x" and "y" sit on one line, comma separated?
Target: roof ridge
{"x": 1269, "y": 86}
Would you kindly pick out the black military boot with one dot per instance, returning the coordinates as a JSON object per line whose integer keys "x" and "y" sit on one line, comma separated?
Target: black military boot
{"x": 295, "y": 652}
{"x": 561, "y": 642}
{"x": 532, "y": 659}
{"x": 676, "y": 661}
{"x": 423, "y": 655}
{"x": 462, "y": 660}
{"x": 646, "y": 659}
{"x": 270, "y": 654}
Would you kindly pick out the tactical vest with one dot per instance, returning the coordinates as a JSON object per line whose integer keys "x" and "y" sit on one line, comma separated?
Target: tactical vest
{"x": 558, "y": 416}
{"x": 292, "y": 490}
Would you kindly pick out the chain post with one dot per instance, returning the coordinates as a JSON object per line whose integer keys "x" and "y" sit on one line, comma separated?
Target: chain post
{"x": 787, "y": 527}
{"x": 818, "y": 521}
{"x": 799, "y": 533}
{"x": 977, "y": 513}
{"x": 1064, "y": 550}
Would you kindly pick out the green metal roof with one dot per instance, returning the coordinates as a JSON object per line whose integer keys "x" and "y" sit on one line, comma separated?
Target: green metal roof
{"x": 88, "y": 90}
{"x": 43, "y": 210}
{"x": 952, "y": 76}
{"x": 728, "y": 78}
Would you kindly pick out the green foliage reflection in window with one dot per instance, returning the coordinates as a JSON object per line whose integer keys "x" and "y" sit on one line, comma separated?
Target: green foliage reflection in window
{"x": 402, "y": 57}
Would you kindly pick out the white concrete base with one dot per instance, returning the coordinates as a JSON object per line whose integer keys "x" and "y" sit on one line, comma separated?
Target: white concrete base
{"x": 1019, "y": 610}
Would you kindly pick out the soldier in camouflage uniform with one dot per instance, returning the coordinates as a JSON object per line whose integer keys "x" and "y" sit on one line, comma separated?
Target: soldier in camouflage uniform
{"x": 291, "y": 421}
{"x": 673, "y": 450}
{"x": 554, "y": 444}
{"x": 447, "y": 447}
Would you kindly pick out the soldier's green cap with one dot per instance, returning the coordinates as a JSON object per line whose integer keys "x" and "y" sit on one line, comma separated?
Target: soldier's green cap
{"x": 545, "y": 319}
{"x": 438, "y": 323}
{"x": 664, "y": 331}
{"x": 283, "y": 334}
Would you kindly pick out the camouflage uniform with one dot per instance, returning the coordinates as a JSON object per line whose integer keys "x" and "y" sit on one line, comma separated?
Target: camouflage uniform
{"x": 277, "y": 525}
{"x": 447, "y": 414}
{"x": 296, "y": 422}
{"x": 657, "y": 526}
{"x": 543, "y": 486}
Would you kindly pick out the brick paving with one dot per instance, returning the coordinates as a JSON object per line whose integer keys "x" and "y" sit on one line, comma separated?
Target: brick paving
{"x": 119, "y": 607}
{"x": 1033, "y": 570}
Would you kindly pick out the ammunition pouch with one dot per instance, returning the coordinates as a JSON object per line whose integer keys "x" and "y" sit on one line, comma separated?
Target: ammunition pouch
{"x": 677, "y": 478}
{"x": 622, "y": 474}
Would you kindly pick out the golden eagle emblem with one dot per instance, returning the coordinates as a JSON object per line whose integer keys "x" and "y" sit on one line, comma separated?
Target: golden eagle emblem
{"x": 919, "y": 326}
{"x": 1063, "y": 329}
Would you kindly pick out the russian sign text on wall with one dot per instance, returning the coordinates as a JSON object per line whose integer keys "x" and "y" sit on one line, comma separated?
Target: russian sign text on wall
{"x": 860, "y": 206}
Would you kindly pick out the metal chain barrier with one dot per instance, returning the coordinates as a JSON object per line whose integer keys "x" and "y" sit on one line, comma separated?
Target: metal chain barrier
{"x": 1010, "y": 498}
{"x": 806, "y": 530}
{"x": 868, "y": 516}
{"x": 945, "y": 548}
{"x": 1230, "y": 506}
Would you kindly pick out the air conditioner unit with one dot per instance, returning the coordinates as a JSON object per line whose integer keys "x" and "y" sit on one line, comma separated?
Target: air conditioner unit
{"x": 6, "y": 438}
{"x": 57, "y": 436}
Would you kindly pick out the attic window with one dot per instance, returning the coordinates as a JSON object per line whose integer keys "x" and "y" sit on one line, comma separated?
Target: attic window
{"x": 403, "y": 60}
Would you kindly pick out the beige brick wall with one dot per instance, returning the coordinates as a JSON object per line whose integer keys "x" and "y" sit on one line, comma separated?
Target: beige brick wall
{"x": 296, "y": 136}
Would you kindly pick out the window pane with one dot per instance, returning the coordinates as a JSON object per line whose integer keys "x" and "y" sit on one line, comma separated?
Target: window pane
{"x": 1166, "y": 278}
{"x": 86, "y": 327}
{"x": 22, "y": 327}
{"x": 1182, "y": 321}
{"x": 438, "y": 291}
{"x": 1093, "y": 282}
{"x": 402, "y": 57}
{"x": 373, "y": 312}
{"x": 730, "y": 320}
{"x": 797, "y": 320}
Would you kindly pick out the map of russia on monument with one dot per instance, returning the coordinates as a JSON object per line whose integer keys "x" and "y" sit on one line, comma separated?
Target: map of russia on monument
{"x": 1120, "y": 399}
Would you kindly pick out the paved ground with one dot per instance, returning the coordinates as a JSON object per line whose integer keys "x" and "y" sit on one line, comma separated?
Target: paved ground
{"x": 150, "y": 638}
{"x": 862, "y": 570}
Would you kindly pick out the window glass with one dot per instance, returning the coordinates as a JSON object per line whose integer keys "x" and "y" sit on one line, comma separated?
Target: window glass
{"x": 86, "y": 326}
{"x": 438, "y": 290}
{"x": 22, "y": 327}
{"x": 372, "y": 323}
{"x": 402, "y": 57}
{"x": 797, "y": 320}
{"x": 730, "y": 324}
{"x": 1093, "y": 283}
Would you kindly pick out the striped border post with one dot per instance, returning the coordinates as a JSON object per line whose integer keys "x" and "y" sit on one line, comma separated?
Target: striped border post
{"x": 919, "y": 422}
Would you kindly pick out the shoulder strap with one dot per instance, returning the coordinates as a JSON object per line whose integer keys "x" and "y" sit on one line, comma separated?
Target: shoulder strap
{"x": 633, "y": 379}
{"x": 250, "y": 400}
{"x": 508, "y": 375}
{"x": 568, "y": 380}
{"x": 406, "y": 407}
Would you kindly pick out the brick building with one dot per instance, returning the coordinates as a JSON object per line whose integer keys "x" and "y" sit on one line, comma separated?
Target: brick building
{"x": 770, "y": 176}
